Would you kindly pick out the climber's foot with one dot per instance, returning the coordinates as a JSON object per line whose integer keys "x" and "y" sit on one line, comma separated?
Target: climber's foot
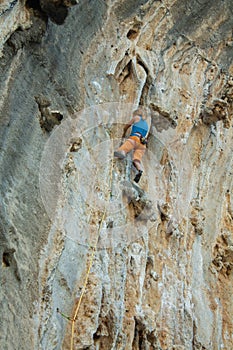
{"x": 138, "y": 176}
{"x": 119, "y": 154}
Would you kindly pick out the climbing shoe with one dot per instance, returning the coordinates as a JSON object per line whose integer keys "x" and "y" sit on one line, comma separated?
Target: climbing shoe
{"x": 138, "y": 176}
{"x": 119, "y": 154}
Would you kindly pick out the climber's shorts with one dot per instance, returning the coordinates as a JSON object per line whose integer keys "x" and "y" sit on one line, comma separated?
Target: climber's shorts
{"x": 133, "y": 143}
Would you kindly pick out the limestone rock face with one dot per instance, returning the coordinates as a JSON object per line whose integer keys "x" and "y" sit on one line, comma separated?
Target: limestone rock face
{"x": 90, "y": 260}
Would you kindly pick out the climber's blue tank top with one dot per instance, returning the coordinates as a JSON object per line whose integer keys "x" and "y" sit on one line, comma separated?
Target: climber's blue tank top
{"x": 140, "y": 127}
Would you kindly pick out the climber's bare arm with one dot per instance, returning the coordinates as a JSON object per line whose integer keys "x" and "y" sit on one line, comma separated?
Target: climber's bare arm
{"x": 129, "y": 124}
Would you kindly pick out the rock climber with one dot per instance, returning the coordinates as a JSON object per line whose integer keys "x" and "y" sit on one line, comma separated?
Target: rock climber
{"x": 136, "y": 141}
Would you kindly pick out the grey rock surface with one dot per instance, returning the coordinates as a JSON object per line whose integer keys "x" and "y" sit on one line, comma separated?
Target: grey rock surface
{"x": 90, "y": 261}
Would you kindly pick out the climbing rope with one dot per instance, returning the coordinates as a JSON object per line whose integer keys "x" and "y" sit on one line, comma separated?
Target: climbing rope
{"x": 94, "y": 247}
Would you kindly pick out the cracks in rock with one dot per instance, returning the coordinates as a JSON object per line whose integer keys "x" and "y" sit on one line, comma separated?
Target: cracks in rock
{"x": 134, "y": 72}
{"x": 49, "y": 272}
{"x": 123, "y": 69}
{"x": 196, "y": 344}
{"x": 147, "y": 83}
{"x": 229, "y": 205}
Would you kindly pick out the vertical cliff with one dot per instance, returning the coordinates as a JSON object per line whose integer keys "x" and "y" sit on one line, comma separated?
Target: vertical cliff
{"x": 89, "y": 260}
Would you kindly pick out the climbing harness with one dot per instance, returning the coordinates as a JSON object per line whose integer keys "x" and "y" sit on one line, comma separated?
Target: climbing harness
{"x": 143, "y": 140}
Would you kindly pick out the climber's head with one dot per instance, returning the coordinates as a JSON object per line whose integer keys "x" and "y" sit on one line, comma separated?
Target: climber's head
{"x": 140, "y": 111}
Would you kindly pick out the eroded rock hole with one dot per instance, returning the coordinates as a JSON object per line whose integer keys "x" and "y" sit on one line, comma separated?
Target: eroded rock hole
{"x": 134, "y": 31}
{"x": 76, "y": 145}
{"x": 56, "y": 11}
{"x": 35, "y": 7}
{"x": 132, "y": 34}
{"x": 110, "y": 224}
{"x": 7, "y": 257}
{"x": 47, "y": 118}
{"x": 34, "y": 4}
